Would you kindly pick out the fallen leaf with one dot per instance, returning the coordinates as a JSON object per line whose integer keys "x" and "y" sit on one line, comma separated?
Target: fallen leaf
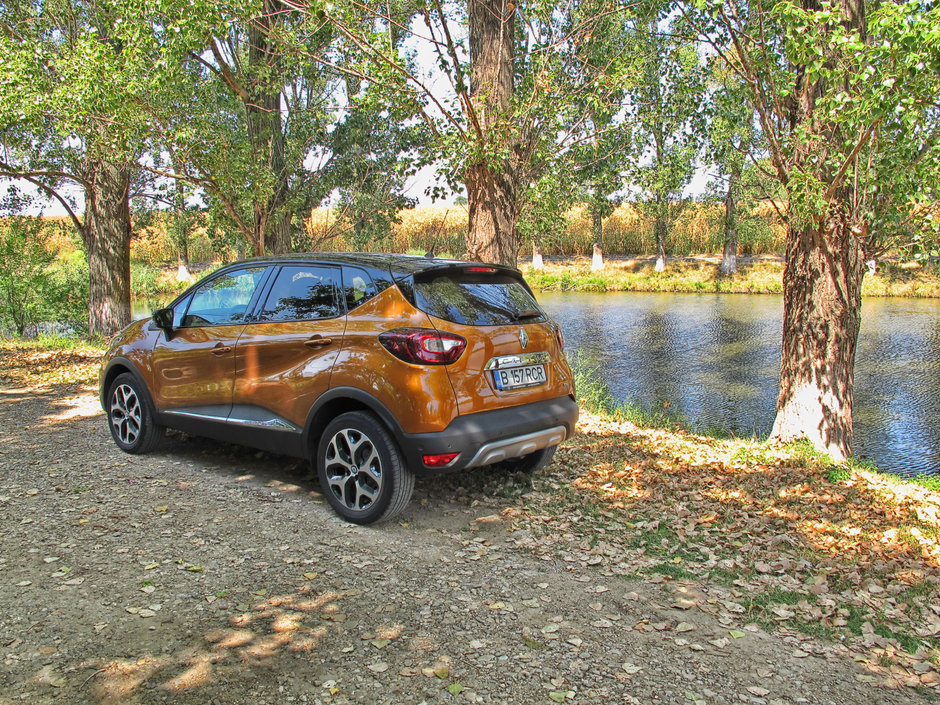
{"x": 380, "y": 667}
{"x": 758, "y": 691}
{"x": 455, "y": 689}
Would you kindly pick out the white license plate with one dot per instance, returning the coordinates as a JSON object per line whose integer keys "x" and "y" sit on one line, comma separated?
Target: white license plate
{"x": 515, "y": 377}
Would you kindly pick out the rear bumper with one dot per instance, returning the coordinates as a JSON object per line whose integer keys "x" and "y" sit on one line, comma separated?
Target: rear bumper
{"x": 490, "y": 436}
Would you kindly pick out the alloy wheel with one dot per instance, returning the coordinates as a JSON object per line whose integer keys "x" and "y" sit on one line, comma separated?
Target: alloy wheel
{"x": 353, "y": 469}
{"x": 125, "y": 414}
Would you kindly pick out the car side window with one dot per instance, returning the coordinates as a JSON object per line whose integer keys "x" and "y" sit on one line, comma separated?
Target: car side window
{"x": 223, "y": 300}
{"x": 358, "y": 287}
{"x": 303, "y": 293}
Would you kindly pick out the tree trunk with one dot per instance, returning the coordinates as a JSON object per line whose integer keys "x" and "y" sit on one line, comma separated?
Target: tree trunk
{"x": 107, "y": 236}
{"x": 597, "y": 261}
{"x": 181, "y": 230}
{"x": 660, "y": 226}
{"x": 822, "y": 286}
{"x": 729, "y": 261}
{"x": 266, "y": 131}
{"x": 537, "y": 262}
{"x": 492, "y": 216}
{"x": 492, "y": 182}
{"x": 597, "y": 224}
{"x": 182, "y": 261}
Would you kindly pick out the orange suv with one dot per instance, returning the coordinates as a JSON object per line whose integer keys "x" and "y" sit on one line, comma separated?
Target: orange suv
{"x": 373, "y": 367}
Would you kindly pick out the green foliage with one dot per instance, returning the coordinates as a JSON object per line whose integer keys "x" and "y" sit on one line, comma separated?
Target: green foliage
{"x": 667, "y": 119}
{"x": 871, "y": 129}
{"x": 930, "y": 482}
{"x": 25, "y": 265}
{"x": 838, "y": 474}
{"x": 34, "y": 286}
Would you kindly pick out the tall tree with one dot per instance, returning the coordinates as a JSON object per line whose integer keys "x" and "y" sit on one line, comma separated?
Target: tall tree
{"x": 70, "y": 115}
{"x": 665, "y": 112}
{"x": 277, "y": 118}
{"x": 733, "y": 145}
{"x": 847, "y": 98}
{"x": 504, "y": 100}
{"x": 491, "y": 175}
{"x": 251, "y": 110}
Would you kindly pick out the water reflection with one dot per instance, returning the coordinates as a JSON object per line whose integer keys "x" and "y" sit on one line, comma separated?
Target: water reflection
{"x": 715, "y": 359}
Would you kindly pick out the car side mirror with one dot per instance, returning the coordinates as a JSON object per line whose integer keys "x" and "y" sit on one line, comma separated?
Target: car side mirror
{"x": 163, "y": 319}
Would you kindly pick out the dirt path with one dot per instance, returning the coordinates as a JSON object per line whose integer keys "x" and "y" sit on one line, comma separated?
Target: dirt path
{"x": 210, "y": 574}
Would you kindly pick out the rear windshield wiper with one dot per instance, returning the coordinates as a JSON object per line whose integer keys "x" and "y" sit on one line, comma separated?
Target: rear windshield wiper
{"x": 528, "y": 313}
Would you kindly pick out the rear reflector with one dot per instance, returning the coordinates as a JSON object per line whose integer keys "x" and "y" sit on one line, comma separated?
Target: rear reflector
{"x": 440, "y": 460}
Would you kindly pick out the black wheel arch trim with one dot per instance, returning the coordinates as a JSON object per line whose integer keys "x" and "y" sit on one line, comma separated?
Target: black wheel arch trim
{"x": 129, "y": 367}
{"x": 357, "y": 395}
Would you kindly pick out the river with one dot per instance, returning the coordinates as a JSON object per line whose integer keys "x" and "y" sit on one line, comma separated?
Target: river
{"x": 714, "y": 359}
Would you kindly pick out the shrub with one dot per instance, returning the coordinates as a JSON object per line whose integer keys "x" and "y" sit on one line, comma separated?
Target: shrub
{"x": 35, "y": 286}
{"x": 25, "y": 272}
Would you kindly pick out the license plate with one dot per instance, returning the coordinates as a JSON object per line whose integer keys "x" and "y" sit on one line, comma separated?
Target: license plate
{"x": 515, "y": 377}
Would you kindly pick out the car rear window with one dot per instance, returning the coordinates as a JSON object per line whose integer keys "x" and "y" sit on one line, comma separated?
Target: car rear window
{"x": 476, "y": 298}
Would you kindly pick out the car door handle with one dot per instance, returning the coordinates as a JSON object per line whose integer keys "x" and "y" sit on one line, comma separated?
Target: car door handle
{"x": 220, "y": 349}
{"x": 317, "y": 341}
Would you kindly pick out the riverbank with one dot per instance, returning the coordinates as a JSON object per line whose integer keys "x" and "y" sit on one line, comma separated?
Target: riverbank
{"x": 746, "y": 547}
{"x": 698, "y": 274}
{"x": 762, "y": 274}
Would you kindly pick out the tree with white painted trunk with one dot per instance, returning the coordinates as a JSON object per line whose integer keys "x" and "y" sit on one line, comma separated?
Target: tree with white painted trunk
{"x": 664, "y": 110}
{"x": 847, "y": 94}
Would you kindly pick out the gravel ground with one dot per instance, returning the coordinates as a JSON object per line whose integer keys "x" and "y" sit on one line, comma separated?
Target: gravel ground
{"x": 205, "y": 573}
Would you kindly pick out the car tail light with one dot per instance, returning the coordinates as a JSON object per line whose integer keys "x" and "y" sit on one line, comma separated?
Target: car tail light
{"x": 559, "y": 336}
{"x": 423, "y": 345}
{"x": 440, "y": 460}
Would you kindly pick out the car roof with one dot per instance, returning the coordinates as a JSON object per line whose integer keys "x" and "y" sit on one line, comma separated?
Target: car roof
{"x": 397, "y": 265}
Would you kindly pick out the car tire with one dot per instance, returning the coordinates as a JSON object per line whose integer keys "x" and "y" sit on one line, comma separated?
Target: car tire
{"x": 533, "y": 462}
{"x": 129, "y": 416}
{"x": 361, "y": 470}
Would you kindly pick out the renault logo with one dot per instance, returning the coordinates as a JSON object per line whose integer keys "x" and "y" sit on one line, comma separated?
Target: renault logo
{"x": 523, "y": 338}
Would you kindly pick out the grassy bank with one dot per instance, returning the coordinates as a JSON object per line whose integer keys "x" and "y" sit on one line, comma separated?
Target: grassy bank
{"x": 840, "y": 561}
{"x": 700, "y": 274}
